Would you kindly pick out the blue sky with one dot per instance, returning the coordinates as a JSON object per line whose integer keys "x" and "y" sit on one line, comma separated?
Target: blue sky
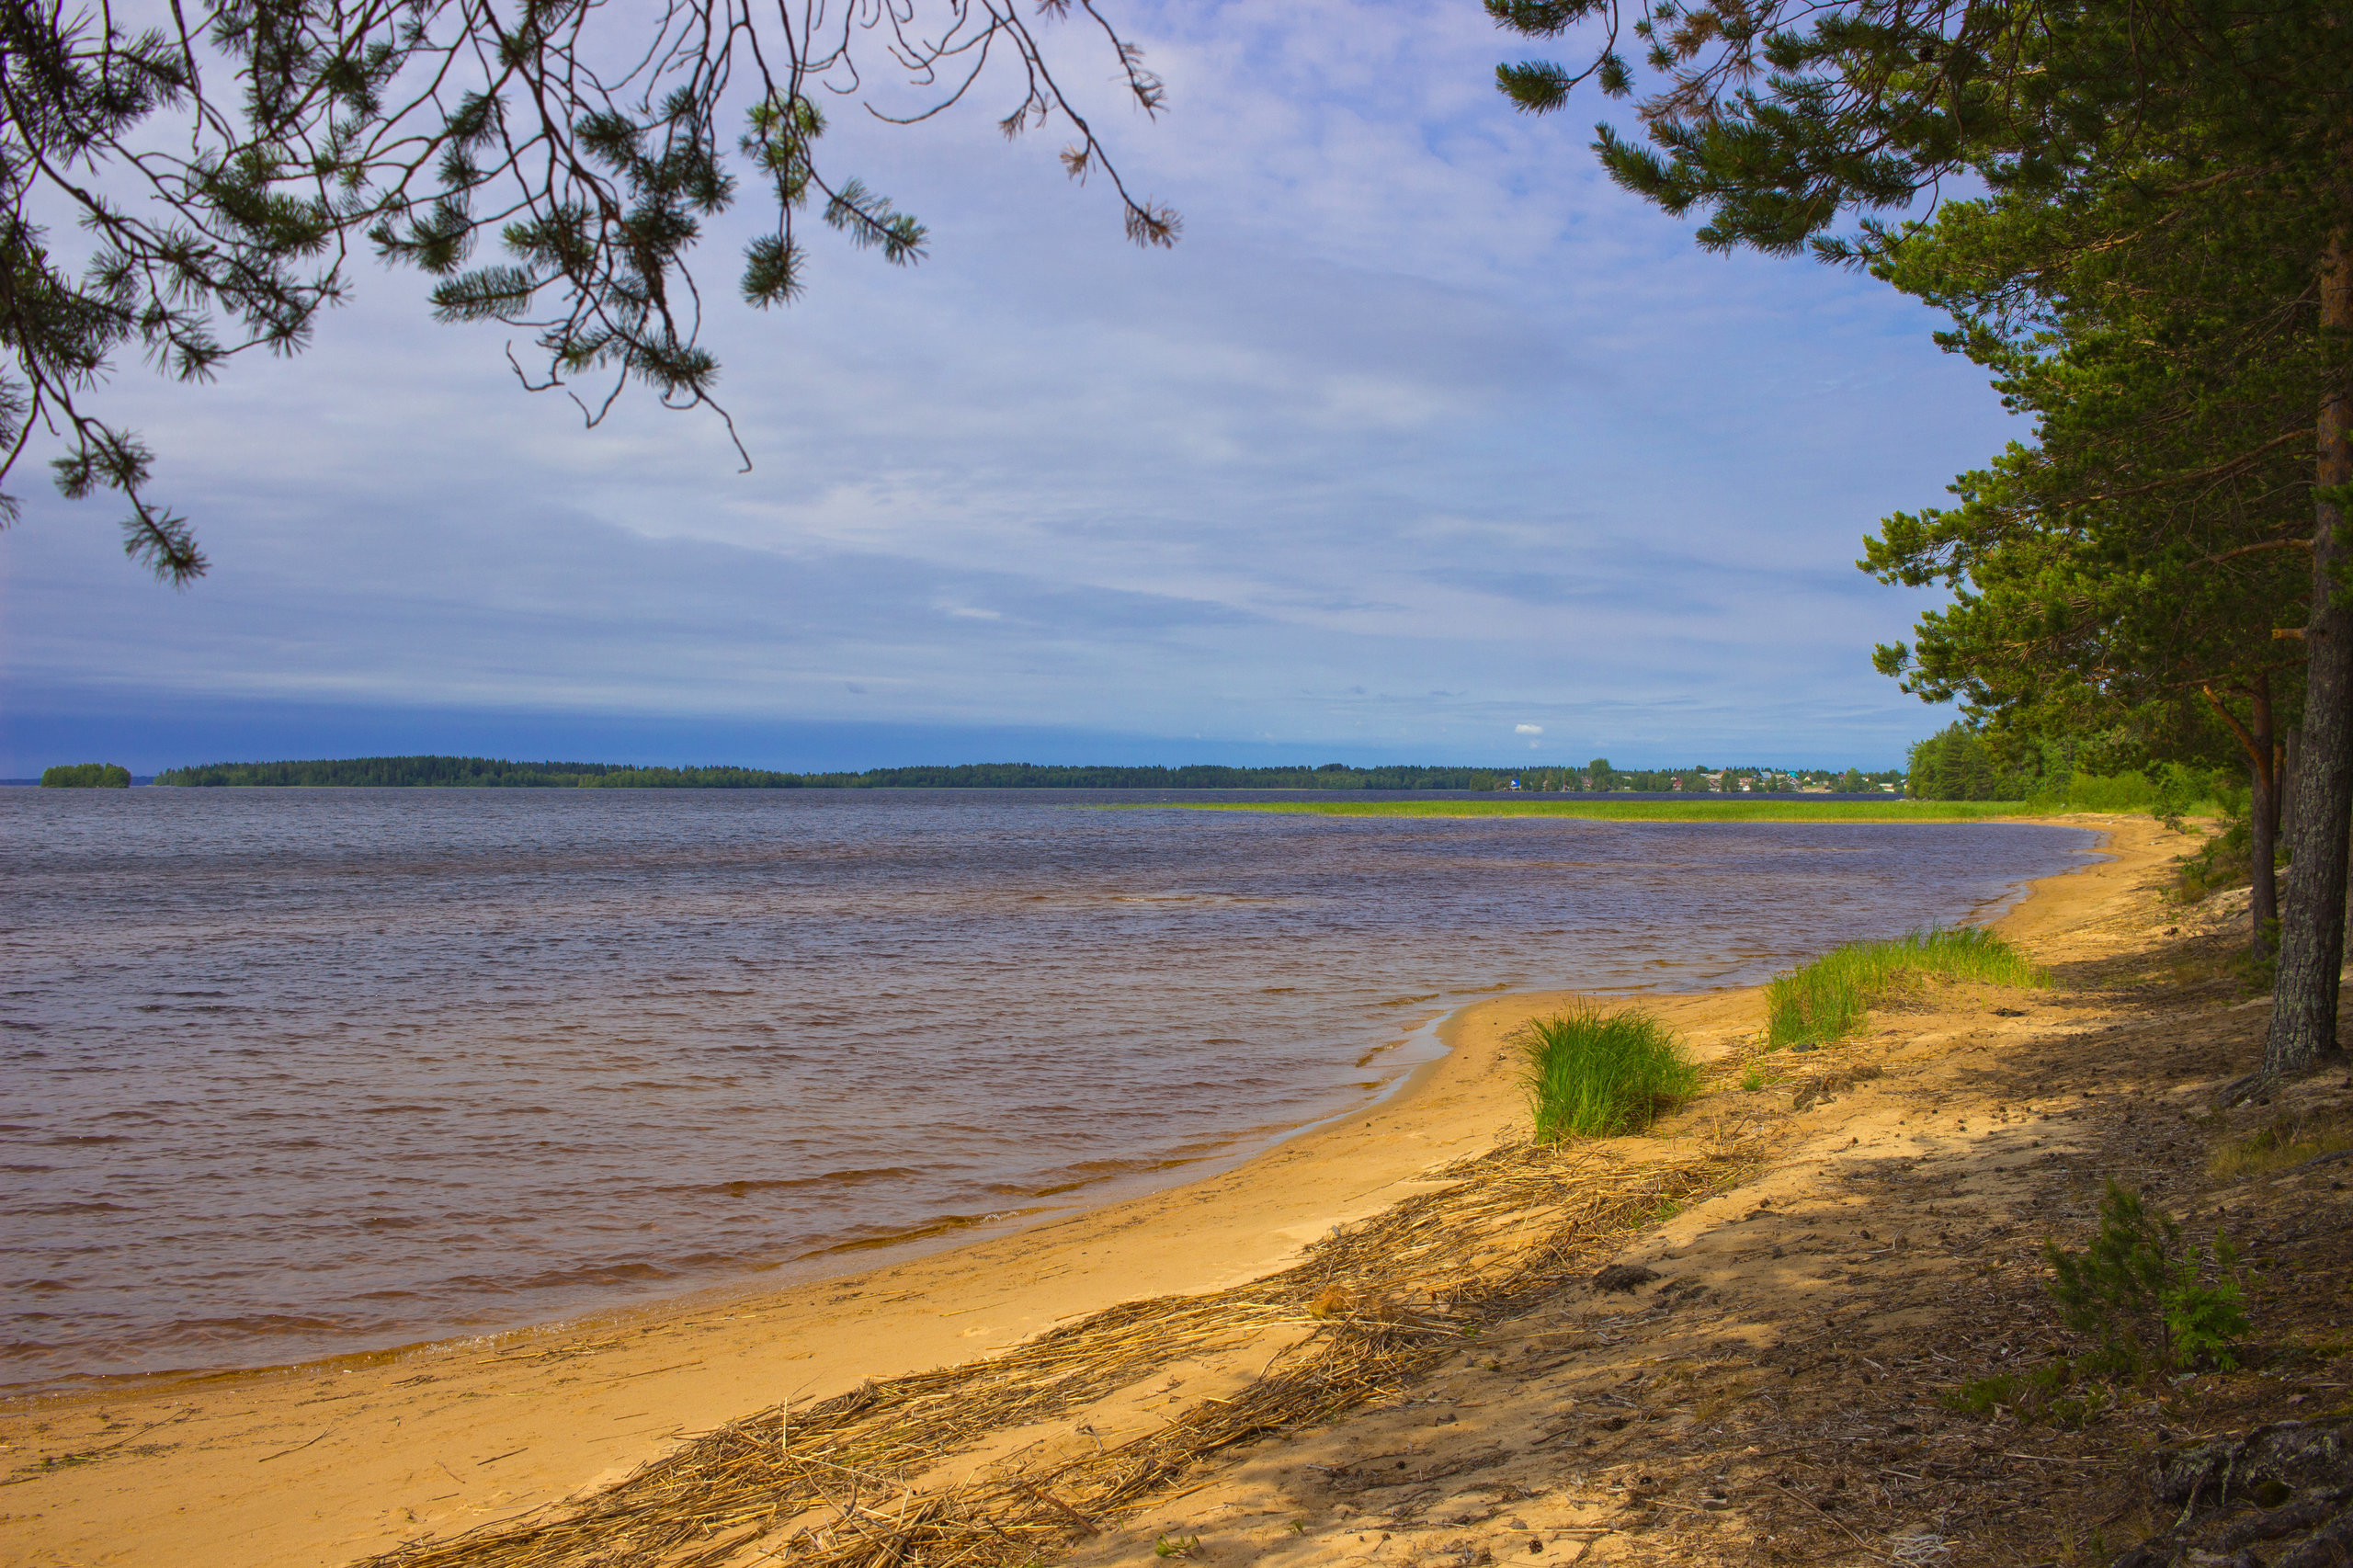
{"x": 1425, "y": 436}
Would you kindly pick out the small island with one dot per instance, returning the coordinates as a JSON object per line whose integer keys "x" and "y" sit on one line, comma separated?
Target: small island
{"x": 86, "y": 776}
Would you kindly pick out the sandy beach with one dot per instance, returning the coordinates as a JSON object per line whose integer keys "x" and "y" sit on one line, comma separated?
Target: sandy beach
{"x": 329, "y": 1462}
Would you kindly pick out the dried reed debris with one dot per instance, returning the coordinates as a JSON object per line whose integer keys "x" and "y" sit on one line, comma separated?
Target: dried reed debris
{"x": 869, "y": 1479}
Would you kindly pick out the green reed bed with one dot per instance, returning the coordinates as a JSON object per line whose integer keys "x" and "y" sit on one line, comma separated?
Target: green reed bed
{"x": 1780, "y": 808}
{"x": 1595, "y": 1074}
{"x": 1826, "y": 1000}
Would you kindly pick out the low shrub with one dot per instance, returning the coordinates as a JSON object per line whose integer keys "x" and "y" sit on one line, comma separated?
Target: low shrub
{"x": 1595, "y": 1074}
{"x": 2227, "y": 858}
{"x": 1827, "y": 1000}
{"x": 2152, "y": 1303}
{"x": 2116, "y": 792}
{"x": 2174, "y": 792}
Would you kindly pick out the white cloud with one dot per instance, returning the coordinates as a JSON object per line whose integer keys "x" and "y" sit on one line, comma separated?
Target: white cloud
{"x": 1528, "y": 729}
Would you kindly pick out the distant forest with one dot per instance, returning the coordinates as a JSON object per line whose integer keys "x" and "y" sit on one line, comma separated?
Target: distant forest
{"x": 487, "y": 772}
{"x": 475, "y": 772}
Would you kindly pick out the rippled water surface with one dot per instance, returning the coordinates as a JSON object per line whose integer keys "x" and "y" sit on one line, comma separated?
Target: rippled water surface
{"x": 290, "y": 1072}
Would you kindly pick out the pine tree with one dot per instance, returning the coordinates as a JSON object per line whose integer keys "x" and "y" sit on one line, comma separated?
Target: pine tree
{"x": 1781, "y": 117}
{"x": 226, "y": 168}
{"x": 2145, "y": 550}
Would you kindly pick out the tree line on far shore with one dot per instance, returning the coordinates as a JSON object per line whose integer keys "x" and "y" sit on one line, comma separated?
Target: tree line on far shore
{"x": 476, "y": 772}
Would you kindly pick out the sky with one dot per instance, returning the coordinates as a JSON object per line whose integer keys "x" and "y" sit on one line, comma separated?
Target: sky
{"x": 1426, "y": 443}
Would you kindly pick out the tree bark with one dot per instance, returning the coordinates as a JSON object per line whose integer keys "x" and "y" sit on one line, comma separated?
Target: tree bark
{"x": 2289, "y": 751}
{"x": 2263, "y": 829}
{"x": 2255, "y": 738}
{"x": 2311, "y": 936}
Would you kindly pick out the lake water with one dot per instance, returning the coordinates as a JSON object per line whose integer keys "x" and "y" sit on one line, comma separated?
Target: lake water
{"x": 294, "y": 1072}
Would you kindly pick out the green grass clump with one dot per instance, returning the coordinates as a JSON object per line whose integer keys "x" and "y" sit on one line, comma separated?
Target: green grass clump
{"x": 1824, "y": 1001}
{"x": 2038, "y": 1396}
{"x": 2289, "y": 1142}
{"x": 1982, "y": 1396}
{"x": 1595, "y": 1074}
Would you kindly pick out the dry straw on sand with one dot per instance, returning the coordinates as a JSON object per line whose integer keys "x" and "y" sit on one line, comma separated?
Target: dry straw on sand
{"x": 870, "y": 1478}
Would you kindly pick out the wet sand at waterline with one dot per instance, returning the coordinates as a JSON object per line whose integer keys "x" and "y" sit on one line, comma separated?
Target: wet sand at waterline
{"x": 323, "y": 1464}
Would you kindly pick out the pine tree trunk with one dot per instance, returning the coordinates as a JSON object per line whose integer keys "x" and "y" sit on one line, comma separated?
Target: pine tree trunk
{"x": 2304, "y": 1014}
{"x": 2263, "y": 827}
{"x": 2287, "y": 776}
{"x": 2264, "y": 781}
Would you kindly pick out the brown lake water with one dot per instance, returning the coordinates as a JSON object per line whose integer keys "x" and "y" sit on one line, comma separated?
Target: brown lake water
{"x": 295, "y": 1072}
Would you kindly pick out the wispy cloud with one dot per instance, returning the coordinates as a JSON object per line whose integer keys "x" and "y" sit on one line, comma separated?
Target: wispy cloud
{"x": 1424, "y": 426}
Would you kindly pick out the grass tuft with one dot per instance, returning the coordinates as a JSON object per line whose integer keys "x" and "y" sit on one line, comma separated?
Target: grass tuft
{"x": 2289, "y": 1142}
{"x": 1824, "y": 1001}
{"x": 1595, "y": 1074}
{"x": 2038, "y": 1396}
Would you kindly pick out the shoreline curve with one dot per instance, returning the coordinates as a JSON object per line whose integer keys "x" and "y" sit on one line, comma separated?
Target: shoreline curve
{"x": 324, "y": 1461}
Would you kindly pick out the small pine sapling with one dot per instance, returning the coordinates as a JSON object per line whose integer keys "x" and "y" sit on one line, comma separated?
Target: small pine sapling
{"x": 2142, "y": 1292}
